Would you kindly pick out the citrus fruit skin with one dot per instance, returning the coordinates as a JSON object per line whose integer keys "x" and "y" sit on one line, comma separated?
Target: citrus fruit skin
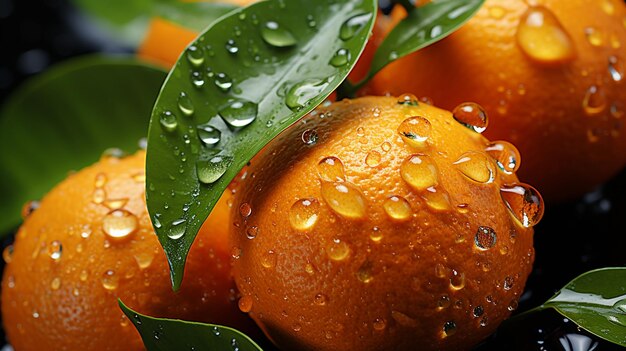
{"x": 536, "y": 98}
{"x": 66, "y": 272}
{"x": 355, "y": 254}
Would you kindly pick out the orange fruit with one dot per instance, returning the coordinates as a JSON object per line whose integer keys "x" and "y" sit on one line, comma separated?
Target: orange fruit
{"x": 380, "y": 221}
{"x": 550, "y": 75}
{"x": 91, "y": 242}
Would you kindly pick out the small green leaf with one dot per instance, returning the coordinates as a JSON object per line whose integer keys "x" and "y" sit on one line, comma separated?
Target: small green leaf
{"x": 171, "y": 334}
{"x": 128, "y": 19}
{"x": 64, "y": 119}
{"x": 242, "y": 82}
{"x": 596, "y": 301}
{"x": 423, "y": 26}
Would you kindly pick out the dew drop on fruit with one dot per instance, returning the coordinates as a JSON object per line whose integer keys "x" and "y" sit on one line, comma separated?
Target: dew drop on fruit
{"x": 415, "y": 131}
{"x": 478, "y": 311}
{"x": 513, "y": 305}
{"x": 330, "y": 169}
{"x": 55, "y": 284}
{"x": 209, "y": 171}
{"x": 29, "y": 208}
{"x": 195, "y": 55}
{"x": 223, "y": 82}
{"x": 506, "y": 155}
{"x": 344, "y": 199}
{"x": 443, "y": 302}
{"x": 397, "y": 208}
{"x": 608, "y": 7}
{"x": 245, "y": 303}
{"x": 252, "y": 232}
{"x": 341, "y": 58}
{"x": 437, "y": 198}
{"x": 524, "y": 203}
{"x": 320, "y": 299}
{"x": 379, "y": 324}
{"x": 119, "y": 224}
{"x": 115, "y": 204}
{"x": 55, "y": 250}
{"x": 268, "y": 259}
{"x": 485, "y": 238}
{"x": 373, "y": 158}
{"x": 449, "y": 328}
{"x": 7, "y": 254}
{"x": 276, "y": 35}
{"x": 408, "y": 99}
{"x": 419, "y": 171}
{"x": 177, "y": 229}
{"x": 457, "y": 280}
{"x": 508, "y": 283}
{"x": 364, "y": 274}
{"x": 616, "y": 69}
{"x": 110, "y": 280}
{"x": 208, "y": 134}
{"x": 144, "y": 259}
{"x": 83, "y": 276}
{"x": 594, "y": 101}
{"x": 185, "y": 106}
{"x": 541, "y": 36}
{"x": 168, "y": 121}
{"x": 386, "y": 146}
{"x": 595, "y": 37}
{"x": 337, "y": 250}
{"x": 100, "y": 181}
{"x": 472, "y": 116}
{"x": 476, "y": 166}
{"x": 304, "y": 214}
{"x": 353, "y": 26}
{"x": 239, "y": 113}
{"x": 99, "y": 195}
{"x": 309, "y": 137}
{"x": 245, "y": 210}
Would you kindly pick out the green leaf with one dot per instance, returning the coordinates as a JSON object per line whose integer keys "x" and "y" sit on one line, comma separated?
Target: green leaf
{"x": 596, "y": 301}
{"x": 423, "y": 26}
{"x": 128, "y": 19}
{"x": 242, "y": 82}
{"x": 172, "y": 334}
{"x": 64, "y": 119}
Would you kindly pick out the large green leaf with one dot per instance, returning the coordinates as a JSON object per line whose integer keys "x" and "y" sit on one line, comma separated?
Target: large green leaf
{"x": 596, "y": 301}
{"x": 423, "y": 26}
{"x": 242, "y": 82}
{"x": 64, "y": 119}
{"x": 129, "y": 18}
{"x": 170, "y": 334}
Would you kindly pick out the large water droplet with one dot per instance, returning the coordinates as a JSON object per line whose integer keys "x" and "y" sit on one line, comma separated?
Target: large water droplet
{"x": 471, "y": 115}
{"x": 397, "y": 208}
{"x": 304, "y": 213}
{"x": 408, "y": 100}
{"x": 330, "y": 169}
{"x": 302, "y": 93}
{"x": 594, "y": 102}
{"x": 185, "y": 105}
{"x": 419, "y": 171}
{"x": 278, "y": 36}
{"x": 168, "y": 121}
{"x": 524, "y": 202}
{"x": 449, "y": 328}
{"x": 119, "y": 224}
{"x": 344, "y": 199}
{"x": 506, "y": 155}
{"x": 195, "y": 55}
{"x": 415, "y": 131}
{"x": 541, "y": 36}
{"x": 177, "y": 229}
{"x": 341, "y": 58}
{"x": 485, "y": 238}
{"x": 208, "y": 134}
{"x": 239, "y": 113}
{"x": 209, "y": 171}
{"x": 476, "y": 166}
{"x": 245, "y": 304}
{"x": 353, "y": 26}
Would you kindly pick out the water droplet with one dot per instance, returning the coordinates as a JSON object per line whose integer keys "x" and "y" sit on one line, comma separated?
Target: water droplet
{"x": 478, "y": 311}
{"x": 344, "y": 199}
{"x": 508, "y": 283}
{"x": 506, "y": 156}
{"x": 309, "y": 137}
{"x": 341, "y": 58}
{"x": 99, "y": 195}
{"x": 110, "y": 280}
{"x": 185, "y": 106}
{"x": 443, "y": 303}
{"x": 197, "y": 80}
{"x": 616, "y": 69}
{"x": 144, "y": 259}
{"x": 178, "y": 229}
{"x": 168, "y": 121}
{"x": 471, "y": 115}
{"x": 119, "y": 224}
{"x": 513, "y": 305}
{"x": 29, "y": 208}
{"x": 209, "y": 171}
{"x": 304, "y": 214}
{"x": 408, "y": 99}
{"x": 302, "y": 93}
{"x": 594, "y": 36}
{"x": 476, "y": 166}
{"x": 608, "y": 7}
{"x": 337, "y": 250}
{"x": 278, "y": 36}
{"x": 232, "y": 47}
{"x": 397, "y": 208}
{"x": 101, "y": 180}
{"x": 379, "y": 324}
{"x": 485, "y": 238}
{"x": 208, "y": 134}
{"x": 7, "y": 254}
{"x": 55, "y": 284}
{"x": 353, "y": 26}
{"x": 268, "y": 260}
{"x": 245, "y": 303}
{"x": 524, "y": 203}
{"x": 320, "y": 299}
{"x": 415, "y": 131}
{"x": 83, "y": 276}
{"x": 386, "y": 146}
{"x": 542, "y": 37}
{"x": 364, "y": 274}
{"x": 620, "y": 306}
{"x": 252, "y": 232}
{"x": 594, "y": 102}
{"x": 245, "y": 210}
{"x": 195, "y": 55}
{"x": 457, "y": 280}
{"x": 330, "y": 169}
{"x": 223, "y": 82}
{"x": 419, "y": 171}
{"x": 239, "y": 113}
{"x": 615, "y": 42}
{"x": 449, "y": 328}
{"x": 55, "y": 250}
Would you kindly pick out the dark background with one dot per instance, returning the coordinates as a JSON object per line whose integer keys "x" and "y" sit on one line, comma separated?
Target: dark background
{"x": 573, "y": 238}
